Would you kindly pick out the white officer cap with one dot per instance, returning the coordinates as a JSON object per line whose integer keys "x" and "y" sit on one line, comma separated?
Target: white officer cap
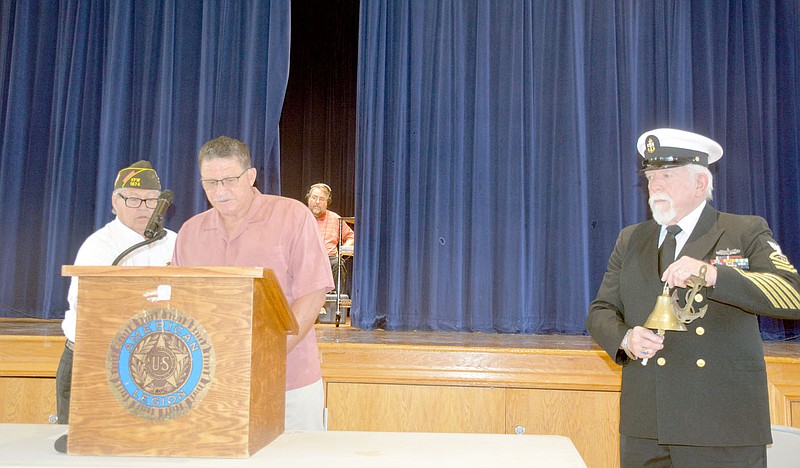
{"x": 668, "y": 147}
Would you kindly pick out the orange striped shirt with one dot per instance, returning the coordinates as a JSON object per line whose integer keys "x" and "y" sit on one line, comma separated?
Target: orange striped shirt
{"x": 329, "y": 232}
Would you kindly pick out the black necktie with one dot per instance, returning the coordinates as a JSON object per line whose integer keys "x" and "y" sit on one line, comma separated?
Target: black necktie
{"x": 666, "y": 253}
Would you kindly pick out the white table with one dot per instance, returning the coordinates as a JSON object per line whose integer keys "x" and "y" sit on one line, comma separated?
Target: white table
{"x": 26, "y": 445}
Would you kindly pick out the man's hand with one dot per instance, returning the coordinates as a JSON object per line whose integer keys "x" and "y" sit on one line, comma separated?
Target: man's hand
{"x": 641, "y": 342}
{"x": 678, "y": 273}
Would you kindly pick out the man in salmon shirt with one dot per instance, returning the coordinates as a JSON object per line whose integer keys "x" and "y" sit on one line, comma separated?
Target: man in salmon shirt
{"x": 247, "y": 228}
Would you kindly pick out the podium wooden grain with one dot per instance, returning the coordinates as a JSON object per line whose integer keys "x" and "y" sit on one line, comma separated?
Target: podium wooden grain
{"x": 245, "y": 317}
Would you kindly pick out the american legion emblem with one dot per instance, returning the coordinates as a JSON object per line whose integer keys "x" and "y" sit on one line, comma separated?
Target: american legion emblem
{"x": 160, "y": 364}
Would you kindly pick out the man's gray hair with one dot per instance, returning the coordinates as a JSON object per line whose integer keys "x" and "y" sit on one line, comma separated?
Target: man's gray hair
{"x": 694, "y": 170}
{"x": 224, "y": 147}
{"x": 319, "y": 185}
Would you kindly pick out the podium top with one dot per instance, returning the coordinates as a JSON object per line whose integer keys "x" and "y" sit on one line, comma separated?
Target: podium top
{"x": 151, "y": 271}
{"x": 272, "y": 292}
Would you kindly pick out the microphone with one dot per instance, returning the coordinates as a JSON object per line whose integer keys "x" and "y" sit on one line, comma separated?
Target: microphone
{"x": 156, "y": 222}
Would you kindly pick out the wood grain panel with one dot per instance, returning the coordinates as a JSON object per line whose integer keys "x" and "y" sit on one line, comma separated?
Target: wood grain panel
{"x": 30, "y": 356}
{"x": 370, "y": 373}
{"x": 414, "y": 408}
{"x": 452, "y": 365}
{"x": 783, "y": 376}
{"x": 217, "y": 426}
{"x": 27, "y": 400}
{"x": 268, "y": 364}
{"x": 590, "y": 419}
{"x": 223, "y": 412}
{"x": 567, "y": 386}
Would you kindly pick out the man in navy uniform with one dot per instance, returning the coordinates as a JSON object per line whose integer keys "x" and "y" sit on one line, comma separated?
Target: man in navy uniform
{"x": 702, "y": 400}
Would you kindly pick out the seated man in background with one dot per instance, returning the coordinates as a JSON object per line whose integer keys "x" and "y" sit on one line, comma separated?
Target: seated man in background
{"x": 319, "y": 199}
{"x": 135, "y": 196}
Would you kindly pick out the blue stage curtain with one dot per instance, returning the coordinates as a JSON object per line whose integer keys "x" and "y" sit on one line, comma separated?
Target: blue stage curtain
{"x": 88, "y": 86}
{"x": 497, "y": 146}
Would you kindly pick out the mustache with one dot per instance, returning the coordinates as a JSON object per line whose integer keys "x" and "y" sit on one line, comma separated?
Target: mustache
{"x": 660, "y": 197}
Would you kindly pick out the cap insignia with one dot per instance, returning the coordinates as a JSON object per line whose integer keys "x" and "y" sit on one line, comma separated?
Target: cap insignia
{"x": 652, "y": 144}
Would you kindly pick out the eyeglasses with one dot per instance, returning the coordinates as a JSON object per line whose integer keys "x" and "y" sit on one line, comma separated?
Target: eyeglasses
{"x": 135, "y": 202}
{"x": 228, "y": 182}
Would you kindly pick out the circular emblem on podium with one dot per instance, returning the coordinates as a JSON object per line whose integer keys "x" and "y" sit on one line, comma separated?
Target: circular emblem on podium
{"x": 160, "y": 364}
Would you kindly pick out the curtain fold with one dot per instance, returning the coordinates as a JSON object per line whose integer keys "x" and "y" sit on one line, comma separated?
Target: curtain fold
{"x": 497, "y": 146}
{"x": 88, "y": 86}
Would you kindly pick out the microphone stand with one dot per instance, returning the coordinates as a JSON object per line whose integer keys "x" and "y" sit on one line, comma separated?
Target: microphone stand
{"x": 159, "y": 235}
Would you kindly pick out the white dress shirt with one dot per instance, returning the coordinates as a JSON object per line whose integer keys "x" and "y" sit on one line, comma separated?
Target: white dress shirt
{"x": 102, "y": 248}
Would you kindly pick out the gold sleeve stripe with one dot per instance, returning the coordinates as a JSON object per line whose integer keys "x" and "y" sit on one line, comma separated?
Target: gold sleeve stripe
{"x": 789, "y": 268}
{"x": 780, "y": 261}
{"x": 780, "y": 293}
{"x": 785, "y": 290}
{"x": 778, "y": 296}
{"x": 768, "y": 290}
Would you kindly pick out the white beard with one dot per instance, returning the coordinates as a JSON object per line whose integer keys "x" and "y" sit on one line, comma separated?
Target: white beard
{"x": 660, "y": 214}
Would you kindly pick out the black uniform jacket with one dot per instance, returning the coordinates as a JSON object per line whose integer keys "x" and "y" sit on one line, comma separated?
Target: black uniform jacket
{"x": 708, "y": 386}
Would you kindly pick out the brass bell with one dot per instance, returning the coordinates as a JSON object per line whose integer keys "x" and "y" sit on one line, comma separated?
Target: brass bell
{"x": 663, "y": 317}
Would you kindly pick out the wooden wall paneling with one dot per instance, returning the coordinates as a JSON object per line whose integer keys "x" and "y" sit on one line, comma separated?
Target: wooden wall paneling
{"x": 30, "y": 356}
{"x": 589, "y": 418}
{"x": 28, "y": 366}
{"x": 414, "y": 408}
{"x": 784, "y": 390}
{"x": 27, "y": 400}
{"x": 454, "y": 365}
{"x": 378, "y": 381}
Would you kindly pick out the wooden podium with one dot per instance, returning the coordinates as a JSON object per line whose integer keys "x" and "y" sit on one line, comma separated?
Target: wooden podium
{"x": 174, "y": 361}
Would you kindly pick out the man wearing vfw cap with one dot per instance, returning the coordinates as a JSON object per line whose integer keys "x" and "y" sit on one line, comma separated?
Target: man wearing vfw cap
{"x": 135, "y": 196}
{"x": 702, "y": 400}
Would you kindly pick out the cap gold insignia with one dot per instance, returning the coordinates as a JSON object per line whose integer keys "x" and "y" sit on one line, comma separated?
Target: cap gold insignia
{"x": 651, "y": 145}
